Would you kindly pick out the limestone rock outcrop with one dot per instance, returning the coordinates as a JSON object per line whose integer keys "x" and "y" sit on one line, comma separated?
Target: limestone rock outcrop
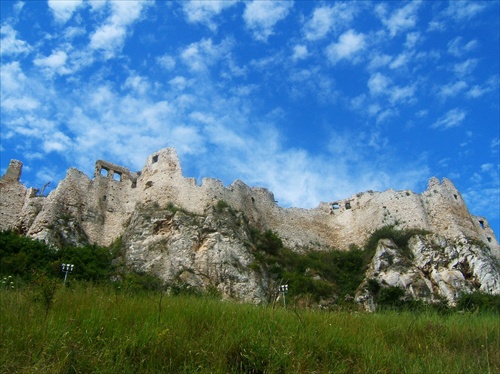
{"x": 208, "y": 251}
{"x": 204, "y": 248}
{"x": 432, "y": 268}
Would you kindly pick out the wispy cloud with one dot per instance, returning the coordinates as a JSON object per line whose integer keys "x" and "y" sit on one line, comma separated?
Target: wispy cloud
{"x": 457, "y": 47}
{"x": 400, "y": 19}
{"x": 205, "y": 11}
{"x": 10, "y": 45}
{"x": 63, "y": 9}
{"x": 325, "y": 19}
{"x": 109, "y": 37}
{"x": 261, "y": 16}
{"x": 452, "y": 118}
{"x": 348, "y": 46}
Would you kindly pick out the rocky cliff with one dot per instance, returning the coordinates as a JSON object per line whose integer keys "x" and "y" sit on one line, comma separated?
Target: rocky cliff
{"x": 171, "y": 226}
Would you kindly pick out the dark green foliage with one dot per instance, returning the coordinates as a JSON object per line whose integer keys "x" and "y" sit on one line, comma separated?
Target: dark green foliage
{"x": 400, "y": 238}
{"x": 319, "y": 274}
{"x": 170, "y": 206}
{"x": 268, "y": 242}
{"x": 391, "y": 297}
{"x": 20, "y": 255}
{"x": 91, "y": 262}
{"x": 183, "y": 289}
{"x": 479, "y": 302}
{"x": 221, "y": 205}
{"x": 373, "y": 286}
{"x": 44, "y": 288}
{"x": 134, "y": 282}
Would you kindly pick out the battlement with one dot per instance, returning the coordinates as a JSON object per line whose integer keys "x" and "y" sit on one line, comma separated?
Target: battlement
{"x": 109, "y": 203}
{"x": 13, "y": 173}
{"x": 115, "y": 172}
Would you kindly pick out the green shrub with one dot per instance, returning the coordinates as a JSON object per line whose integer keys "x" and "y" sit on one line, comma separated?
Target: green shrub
{"x": 20, "y": 255}
{"x": 399, "y": 237}
{"x": 44, "y": 288}
{"x": 479, "y": 302}
{"x": 221, "y": 205}
{"x": 391, "y": 297}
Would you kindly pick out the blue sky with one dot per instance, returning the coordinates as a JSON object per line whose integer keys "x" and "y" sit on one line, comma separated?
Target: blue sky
{"x": 314, "y": 100}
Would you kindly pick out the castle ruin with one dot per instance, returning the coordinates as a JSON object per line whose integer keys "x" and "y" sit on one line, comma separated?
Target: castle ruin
{"x": 103, "y": 205}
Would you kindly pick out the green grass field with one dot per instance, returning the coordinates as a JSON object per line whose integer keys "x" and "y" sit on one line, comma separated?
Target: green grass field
{"x": 98, "y": 329}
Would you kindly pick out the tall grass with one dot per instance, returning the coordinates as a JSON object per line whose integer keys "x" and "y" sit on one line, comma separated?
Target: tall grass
{"x": 99, "y": 329}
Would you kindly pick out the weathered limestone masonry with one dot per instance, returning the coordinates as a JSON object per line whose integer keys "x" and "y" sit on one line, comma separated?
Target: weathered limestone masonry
{"x": 100, "y": 208}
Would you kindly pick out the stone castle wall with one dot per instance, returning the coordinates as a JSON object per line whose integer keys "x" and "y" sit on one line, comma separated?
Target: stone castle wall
{"x": 103, "y": 205}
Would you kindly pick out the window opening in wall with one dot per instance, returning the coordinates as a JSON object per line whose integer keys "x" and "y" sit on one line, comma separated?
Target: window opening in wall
{"x": 117, "y": 176}
{"x": 335, "y": 206}
{"x": 155, "y": 159}
{"x": 134, "y": 184}
{"x": 348, "y": 205}
{"x": 481, "y": 223}
{"x": 104, "y": 172}
{"x": 104, "y": 197}
{"x": 489, "y": 239}
{"x": 456, "y": 197}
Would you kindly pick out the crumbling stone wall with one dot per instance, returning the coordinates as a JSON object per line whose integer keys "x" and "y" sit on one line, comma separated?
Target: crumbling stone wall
{"x": 13, "y": 195}
{"x": 102, "y": 206}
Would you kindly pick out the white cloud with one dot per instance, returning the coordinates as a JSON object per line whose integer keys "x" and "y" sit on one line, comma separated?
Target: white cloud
{"x": 15, "y": 93}
{"x": 25, "y": 103}
{"x": 412, "y": 39}
{"x": 138, "y": 84}
{"x": 10, "y": 45}
{"x": 261, "y": 16}
{"x": 205, "y": 11}
{"x": 311, "y": 82}
{"x": 348, "y": 46}
{"x": 495, "y": 145}
{"x": 299, "y": 52}
{"x": 63, "y": 9}
{"x": 400, "y": 61}
{"x": 491, "y": 85}
{"x": 465, "y": 68}
{"x": 56, "y": 142}
{"x": 380, "y": 85}
{"x": 12, "y": 78}
{"x": 166, "y": 61}
{"x": 402, "y": 94}
{"x": 110, "y": 37}
{"x": 55, "y": 63}
{"x": 379, "y": 60}
{"x": 179, "y": 83}
{"x": 452, "y": 118}
{"x": 200, "y": 55}
{"x": 457, "y": 48}
{"x": 452, "y": 89}
{"x": 327, "y": 18}
{"x": 464, "y": 10}
{"x": 401, "y": 19}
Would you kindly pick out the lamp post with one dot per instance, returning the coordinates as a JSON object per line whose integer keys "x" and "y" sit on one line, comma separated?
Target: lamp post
{"x": 67, "y": 268}
{"x": 283, "y": 289}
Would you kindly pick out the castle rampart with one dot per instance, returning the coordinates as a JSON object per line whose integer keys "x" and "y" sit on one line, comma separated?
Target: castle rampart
{"x": 103, "y": 205}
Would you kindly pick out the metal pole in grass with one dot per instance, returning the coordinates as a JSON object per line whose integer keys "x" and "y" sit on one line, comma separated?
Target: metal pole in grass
{"x": 283, "y": 289}
{"x": 67, "y": 268}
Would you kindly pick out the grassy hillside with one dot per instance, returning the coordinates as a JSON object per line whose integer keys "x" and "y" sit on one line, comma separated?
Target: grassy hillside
{"x": 89, "y": 328}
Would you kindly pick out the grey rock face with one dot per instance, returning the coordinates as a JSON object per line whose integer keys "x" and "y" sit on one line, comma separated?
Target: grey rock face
{"x": 199, "y": 251}
{"x": 433, "y": 268}
{"x": 199, "y": 245}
